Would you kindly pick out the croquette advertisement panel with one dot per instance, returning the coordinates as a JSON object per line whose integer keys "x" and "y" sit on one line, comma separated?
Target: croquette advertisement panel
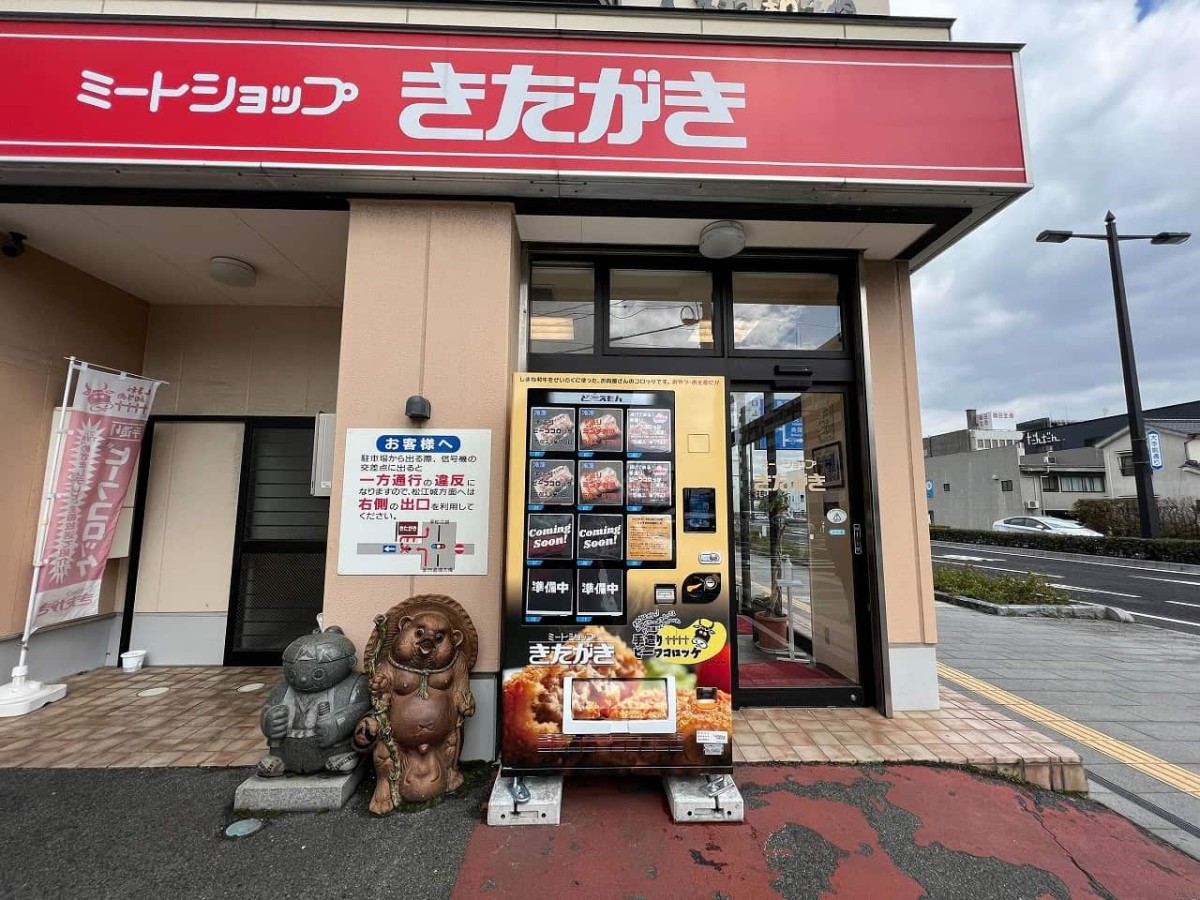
{"x": 616, "y": 634}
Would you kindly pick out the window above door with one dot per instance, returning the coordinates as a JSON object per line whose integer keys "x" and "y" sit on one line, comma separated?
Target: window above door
{"x": 630, "y": 305}
{"x": 788, "y": 312}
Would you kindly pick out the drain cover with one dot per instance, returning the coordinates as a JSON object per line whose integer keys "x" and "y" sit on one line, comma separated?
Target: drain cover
{"x": 243, "y": 828}
{"x": 153, "y": 692}
{"x": 251, "y": 688}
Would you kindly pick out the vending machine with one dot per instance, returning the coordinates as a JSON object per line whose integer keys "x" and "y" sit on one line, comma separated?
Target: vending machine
{"x": 617, "y": 615}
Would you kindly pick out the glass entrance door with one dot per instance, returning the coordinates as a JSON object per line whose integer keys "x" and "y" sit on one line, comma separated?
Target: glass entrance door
{"x": 795, "y": 533}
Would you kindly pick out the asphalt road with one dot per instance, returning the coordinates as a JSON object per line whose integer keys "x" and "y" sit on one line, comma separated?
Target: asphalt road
{"x": 1163, "y": 599}
{"x": 895, "y": 832}
{"x": 128, "y": 834}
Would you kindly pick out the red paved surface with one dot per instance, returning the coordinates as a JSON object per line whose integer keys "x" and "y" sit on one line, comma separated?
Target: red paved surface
{"x": 889, "y": 833}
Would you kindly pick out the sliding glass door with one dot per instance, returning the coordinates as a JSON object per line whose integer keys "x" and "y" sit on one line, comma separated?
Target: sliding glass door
{"x": 795, "y": 533}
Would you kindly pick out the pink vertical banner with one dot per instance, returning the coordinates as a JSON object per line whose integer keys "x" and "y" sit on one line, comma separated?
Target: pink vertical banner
{"x": 104, "y": 427}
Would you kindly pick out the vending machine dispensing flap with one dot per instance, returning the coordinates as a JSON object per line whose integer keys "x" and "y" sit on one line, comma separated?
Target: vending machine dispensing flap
{"x": 619, "y": 705}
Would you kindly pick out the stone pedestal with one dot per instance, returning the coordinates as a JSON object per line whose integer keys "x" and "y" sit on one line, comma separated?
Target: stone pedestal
{"x": 297, "y": 793}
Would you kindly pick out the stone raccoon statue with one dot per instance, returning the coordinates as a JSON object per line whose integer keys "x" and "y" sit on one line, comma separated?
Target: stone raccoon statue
{"x": 419, "y": 660}
{"x": 310, "y": 715}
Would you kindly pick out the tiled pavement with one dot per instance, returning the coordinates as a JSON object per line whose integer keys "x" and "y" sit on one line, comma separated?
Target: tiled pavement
{"x": 1134, "y": 683}
{"x": 203, "y": 720}
{"x": 962, "y": 732}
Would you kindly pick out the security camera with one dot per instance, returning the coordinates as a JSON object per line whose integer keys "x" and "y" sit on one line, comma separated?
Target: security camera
{"x": 14, "y": 246}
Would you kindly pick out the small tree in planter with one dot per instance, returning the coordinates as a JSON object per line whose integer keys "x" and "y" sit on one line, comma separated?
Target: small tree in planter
{"x": 772, "y": 622}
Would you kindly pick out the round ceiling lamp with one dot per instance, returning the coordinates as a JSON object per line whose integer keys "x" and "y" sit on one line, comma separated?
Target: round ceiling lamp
{"x": 231, "y": 271}
{"x": 721, "y": 240}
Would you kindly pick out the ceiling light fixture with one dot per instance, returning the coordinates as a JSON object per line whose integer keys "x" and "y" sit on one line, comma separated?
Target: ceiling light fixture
{"x": 233, "y": 272}
{"x": 721, "y": 240}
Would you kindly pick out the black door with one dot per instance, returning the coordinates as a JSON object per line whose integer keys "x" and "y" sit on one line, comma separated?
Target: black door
{"x": 278, "y": 581}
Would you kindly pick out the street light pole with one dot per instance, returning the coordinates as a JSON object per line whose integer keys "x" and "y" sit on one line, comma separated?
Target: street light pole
{"x": 1143, "y": 475}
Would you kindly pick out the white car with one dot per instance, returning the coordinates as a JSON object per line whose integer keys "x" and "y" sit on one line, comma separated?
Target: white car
{"x": 1044, "y": 525}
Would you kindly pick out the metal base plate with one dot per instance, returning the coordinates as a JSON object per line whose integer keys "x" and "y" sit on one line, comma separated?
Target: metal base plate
{"x": 691, "y": 800}
{"x": 543, "y": 808}
{"x": 19, "y": 699}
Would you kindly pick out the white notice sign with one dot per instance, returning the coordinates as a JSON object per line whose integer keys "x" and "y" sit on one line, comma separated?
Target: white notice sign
{"x": 415, "y": 502}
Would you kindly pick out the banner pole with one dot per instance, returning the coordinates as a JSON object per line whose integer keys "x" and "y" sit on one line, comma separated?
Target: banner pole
{"x": 81, "y": 574}
{"x": 49, "y": 496}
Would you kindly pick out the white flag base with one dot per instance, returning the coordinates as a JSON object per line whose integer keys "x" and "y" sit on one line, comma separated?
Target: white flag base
{"x": 20, "y": 699}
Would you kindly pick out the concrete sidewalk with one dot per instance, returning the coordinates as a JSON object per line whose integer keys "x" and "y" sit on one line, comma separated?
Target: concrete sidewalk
{"x": 1135, "y": 685}
{"x": 208, "y": 716}
{"x": 894, "y": 832}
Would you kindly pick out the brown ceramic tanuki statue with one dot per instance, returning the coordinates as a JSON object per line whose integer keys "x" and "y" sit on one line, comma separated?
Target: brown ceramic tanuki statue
{"x": 418, "y": 660}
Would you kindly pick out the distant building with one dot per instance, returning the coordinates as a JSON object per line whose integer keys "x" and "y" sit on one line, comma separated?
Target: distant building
{"x": 1045, "y": 434}
{"x": 1179, "y": 446}
{"x": 973, "y": 488}
{"x": 984, "y": 431}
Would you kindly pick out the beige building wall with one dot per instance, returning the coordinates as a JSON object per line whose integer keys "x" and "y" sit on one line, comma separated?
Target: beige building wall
{"x": 430, "y": 308}
{"x": 219, "y": 360}
{"x": 190, "y": 517}
{"x": 683, "y": 22}
{"x": 909, "y": 616}
{"x": 48, "y": 310}
{"x": 244, "y": 360}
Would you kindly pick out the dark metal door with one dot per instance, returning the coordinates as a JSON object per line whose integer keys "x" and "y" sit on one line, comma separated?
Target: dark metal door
{"x": 278, "y": 581}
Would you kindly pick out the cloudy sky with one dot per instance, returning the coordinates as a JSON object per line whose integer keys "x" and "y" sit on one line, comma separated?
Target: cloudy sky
{"x": 1112, "y": 93}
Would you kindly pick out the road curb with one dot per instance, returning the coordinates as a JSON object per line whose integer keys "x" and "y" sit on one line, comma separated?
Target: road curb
{"x": 1073, "y": 610}
{"x": 1154, "y": 565}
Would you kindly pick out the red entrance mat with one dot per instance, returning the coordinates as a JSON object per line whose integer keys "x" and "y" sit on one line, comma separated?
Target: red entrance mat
{"x": 785, "y": 673}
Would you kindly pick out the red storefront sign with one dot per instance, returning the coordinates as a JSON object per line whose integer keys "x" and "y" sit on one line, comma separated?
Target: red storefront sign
{"x": 272, "y": 97}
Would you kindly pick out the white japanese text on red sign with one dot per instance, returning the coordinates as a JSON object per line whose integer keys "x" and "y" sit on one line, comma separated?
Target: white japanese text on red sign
{"x": 622, "y": 102}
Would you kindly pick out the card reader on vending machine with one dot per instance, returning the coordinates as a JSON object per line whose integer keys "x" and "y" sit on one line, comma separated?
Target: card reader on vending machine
{"x": 702, "y": 587}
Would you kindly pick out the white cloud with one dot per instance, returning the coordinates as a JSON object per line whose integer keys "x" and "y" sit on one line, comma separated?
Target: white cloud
{"x": 1113, "y": 113}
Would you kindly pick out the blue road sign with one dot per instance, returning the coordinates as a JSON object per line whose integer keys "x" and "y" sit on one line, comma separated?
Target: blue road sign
{"x": 1154, "y": 449}
{"x": 789, "y": 436}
